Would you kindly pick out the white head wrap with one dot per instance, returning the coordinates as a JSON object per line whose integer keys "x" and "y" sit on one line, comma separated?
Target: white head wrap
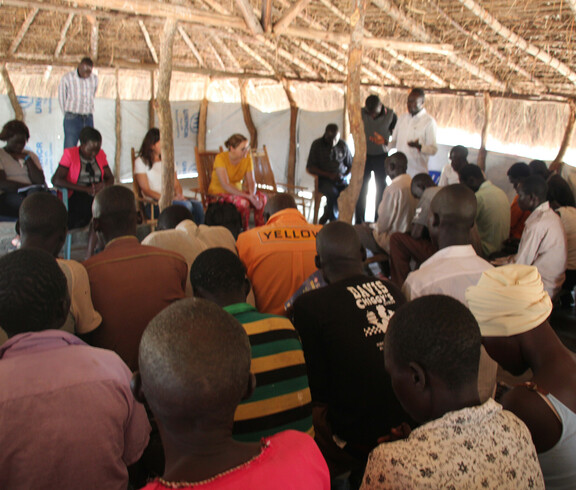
{"x": 509, "y": 300}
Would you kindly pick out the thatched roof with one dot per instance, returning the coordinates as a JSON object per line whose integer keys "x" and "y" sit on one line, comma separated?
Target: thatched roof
{"x": 504, "y": 47}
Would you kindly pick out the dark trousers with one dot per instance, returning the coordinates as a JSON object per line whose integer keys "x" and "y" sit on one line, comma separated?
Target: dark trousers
{"x": 10, "y": 203}
{"x": 374, "y": 163}
{"x": 331, "y": 190}
{"x": 79, "y": 210}
{"x": 404, "y": 249}
{"x": 73, "y": 124}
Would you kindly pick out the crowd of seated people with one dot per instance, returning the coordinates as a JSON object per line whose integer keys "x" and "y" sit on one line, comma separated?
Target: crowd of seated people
{"x": 210, "y": 357}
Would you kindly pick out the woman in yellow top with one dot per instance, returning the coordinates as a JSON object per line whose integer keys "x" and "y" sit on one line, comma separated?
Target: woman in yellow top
{"x": 231, "y": 169}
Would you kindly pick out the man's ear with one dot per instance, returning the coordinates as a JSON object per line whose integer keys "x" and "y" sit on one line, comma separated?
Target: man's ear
{"x": 317, "y": 262}
{"x": 250, "y": 387}
{"x": 17, "y": 227}
{"x": 363, "y": 253}
{"x": 435, "y": 221}
{"x": 136, "y": 387}
{"x": 96, "y": 224}
{"x": 418, "y": 376}
{"x": 247, "y": 287}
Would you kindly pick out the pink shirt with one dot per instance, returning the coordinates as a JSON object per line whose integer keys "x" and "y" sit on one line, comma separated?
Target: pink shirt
{"x": 289, "y": 460}
{"x": 71, "y": 160}
{"x": 67, "y": 416}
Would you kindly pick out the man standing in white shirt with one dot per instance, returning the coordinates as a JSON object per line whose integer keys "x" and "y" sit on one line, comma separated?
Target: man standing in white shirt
{"x": 415, "y": 134}
{"x": 76, "y": 96}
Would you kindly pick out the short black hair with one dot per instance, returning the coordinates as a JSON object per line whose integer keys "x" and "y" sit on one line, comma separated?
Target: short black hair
{"x": 12, "y": 128}
{"x": 372, "y": 102}
{"x": 224, "y": 214}
{"x": 460, "y": 149}
{"x": 518, "y": 170}
{"x": 439, "y": 333}
{"x": 87, "y": 61}
{"x": 418, "y": 92}
{"x": 172, "y": 216}
{"x": 194, "y": 360}
{"x": 332, "y": 127}
{"x": 90, "y": 134}
{"x": 559, "y": 191}
{"x": 42, "y": 214}
{"x": 471, "y": 170}
{"x": 32, "y": 290}
{"x": 218, "y": 270}
{"x": 539, "y": 167}
{"x": 535, "y": 186}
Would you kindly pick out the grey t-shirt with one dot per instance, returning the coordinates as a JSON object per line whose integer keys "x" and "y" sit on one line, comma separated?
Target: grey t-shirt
{"x": 423, "y": 208}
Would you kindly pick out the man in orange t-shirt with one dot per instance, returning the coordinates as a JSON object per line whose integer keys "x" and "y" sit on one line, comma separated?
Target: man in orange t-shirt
{"x": 278, "y": 256}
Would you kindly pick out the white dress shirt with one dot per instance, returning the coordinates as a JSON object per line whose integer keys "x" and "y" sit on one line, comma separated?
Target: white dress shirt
{"x": 421, "y": 127}
{"x": 543, "y": 244}
{"x": 448, "y": 176}
{"x": 568, "y": 217}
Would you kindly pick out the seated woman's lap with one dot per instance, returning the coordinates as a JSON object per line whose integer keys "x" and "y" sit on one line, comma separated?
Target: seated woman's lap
{"x": 195, "y": 207}
{"x": 243, "y": 206}
{"x": 79, "y": 210}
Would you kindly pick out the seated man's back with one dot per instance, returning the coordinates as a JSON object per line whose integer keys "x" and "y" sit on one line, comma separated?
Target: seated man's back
{"x": 130, "y": 282}
{"x": 278, "y": 256}
{"x": 68, "y": 417}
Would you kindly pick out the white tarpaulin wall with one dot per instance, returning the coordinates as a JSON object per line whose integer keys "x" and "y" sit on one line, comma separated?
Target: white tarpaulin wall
{"x": 44, "y": 119}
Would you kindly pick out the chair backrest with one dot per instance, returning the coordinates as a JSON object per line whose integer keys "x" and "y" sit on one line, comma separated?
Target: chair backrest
{"x": 263, "y": 174}
{"x": 204, "y": 167}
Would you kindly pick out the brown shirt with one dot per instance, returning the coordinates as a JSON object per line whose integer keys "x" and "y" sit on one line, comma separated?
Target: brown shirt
{"x": 130, "y": 284}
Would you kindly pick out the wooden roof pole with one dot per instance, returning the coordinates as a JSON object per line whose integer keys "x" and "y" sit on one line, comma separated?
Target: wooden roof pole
{"x": 151, "y": 103}
{"x": 191, "y": 45}
{"x": 251, "y": 20}
{"x": 291, "y": 173}
{"x": 148, "y": 41}
{"x": 94, "y": 37}
{"x": 348, "y": 198}
{"x": 18, "y": 113}
{"x": 63, "y": 34}
{"x": 518, "y": 41}
{"x": 165, "y": 112}
{"x": 267, "y": 16}
{"x": 203, "y": 118}
{"x": 482, "y": 153}
{"x": 290, "y": 15}
{"x": 118, "y": 128}
{"x": 23, "y": 30}
{"x": 566, "y": 140}
{"x": 247, "y": 114}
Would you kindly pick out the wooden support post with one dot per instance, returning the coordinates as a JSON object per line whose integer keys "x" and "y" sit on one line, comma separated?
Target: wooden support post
{"x": 247, "y": 114}
{"x": 151, "y": 103}
{"x": 291, "y": 175}
{"x": 203, "y": 118}
{"x": 485, "y": 130}
{"x": 348, "y": 198}
{"x": 18, "y": 113}
{"x": 94, "y": 34}
{"x": 267, "y": 16}
{"x": 165, "y": 112}
{"x": 568, "y": 133}
{"x": 118, "y": 154}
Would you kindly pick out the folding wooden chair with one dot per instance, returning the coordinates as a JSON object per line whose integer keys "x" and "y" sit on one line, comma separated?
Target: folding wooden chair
{"x": 204, "y": 167}
{"x": 142, "y": 200}
{"x": 266, "y": 182}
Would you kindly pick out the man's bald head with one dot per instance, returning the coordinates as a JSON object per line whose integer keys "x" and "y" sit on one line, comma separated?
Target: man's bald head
{"x": 455, "y": 203}
{"x": 194, "y": 363}
{"x": 278, "y": 202}
{"x": 339, "y": 250}
{"x": 42, "y": 222}
{"x": 114, "y": 212}
{"x": 453, "y": 211}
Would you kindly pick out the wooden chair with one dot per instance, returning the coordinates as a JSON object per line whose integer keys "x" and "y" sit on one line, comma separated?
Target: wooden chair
{"x": 204, "y": 167}
{"x": 142, "y": 200}
{"x": 316, "y": 198}
{"x": 266, "y": 182}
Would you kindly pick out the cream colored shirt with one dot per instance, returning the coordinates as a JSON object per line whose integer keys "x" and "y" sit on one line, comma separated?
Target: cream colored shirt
{"x": 492, "y": 217}
{"x": 568, "y": 218}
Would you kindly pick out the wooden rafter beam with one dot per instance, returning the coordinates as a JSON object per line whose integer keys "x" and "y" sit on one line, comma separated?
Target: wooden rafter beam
{"x": 256, "y": 56}
{"x": 166, "y": 11}
{"x": 420, "y": 33}
{"x": 572, "y": 4}
{"x": 375, "y": 43}
{"x": 191, "y": 45}
{"x": 290, "y": 15}
{"x": 23, "y": 30}
{"x": 224, "y": 49}
{"x": 216, "y": 55}
{"x": 488, "y": 47}
{"x": 519, "y": 42}
{"x": 94, "y": 35}
{"x": 251, "y": 20}
{"x": 63, "y": 35}
{"x": 367, "y": 36}
{"x": 267, "y": 16}
{"x": 148, "y": 41}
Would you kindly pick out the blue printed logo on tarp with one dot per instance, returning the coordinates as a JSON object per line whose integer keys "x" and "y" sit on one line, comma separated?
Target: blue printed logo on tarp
{"x": 185, "y": 123}
{"x": 40, "y": 104}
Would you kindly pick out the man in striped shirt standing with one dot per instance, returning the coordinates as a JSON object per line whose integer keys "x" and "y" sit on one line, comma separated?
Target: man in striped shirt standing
{"x": 76, "y": 96}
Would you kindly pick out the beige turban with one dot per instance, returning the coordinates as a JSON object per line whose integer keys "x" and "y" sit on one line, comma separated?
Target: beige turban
{"x": 509, "y": 300}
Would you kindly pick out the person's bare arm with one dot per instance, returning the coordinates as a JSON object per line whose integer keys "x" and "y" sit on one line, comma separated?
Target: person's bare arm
{"x": 35, "y": 172}
{"x": 9, "y": 185}
{"x": 59, "y": 180}
{"x": 178, "y": 192}
{"x": 322, "y": 173}
{"x": 144, "y": 185}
